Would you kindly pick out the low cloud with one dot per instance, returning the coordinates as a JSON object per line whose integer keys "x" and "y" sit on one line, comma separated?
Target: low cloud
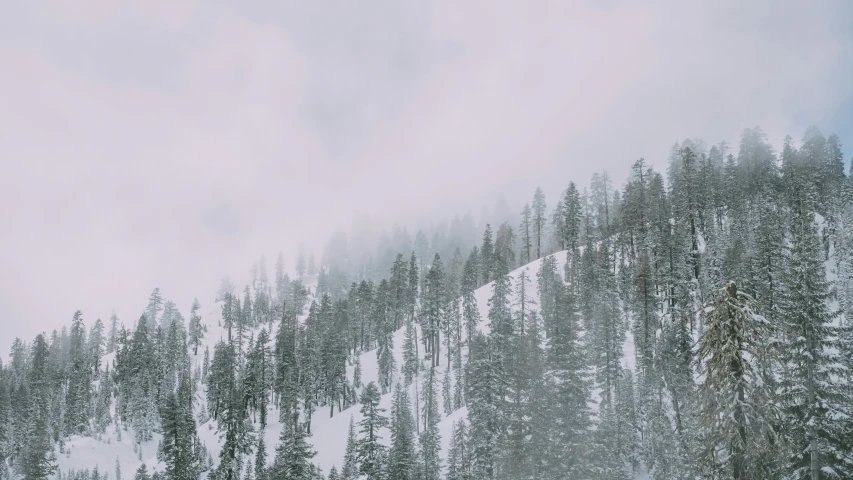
{"x": 152, "y": 144}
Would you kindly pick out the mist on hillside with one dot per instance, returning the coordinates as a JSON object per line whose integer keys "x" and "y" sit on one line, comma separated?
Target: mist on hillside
{"x": 399, "y": 240}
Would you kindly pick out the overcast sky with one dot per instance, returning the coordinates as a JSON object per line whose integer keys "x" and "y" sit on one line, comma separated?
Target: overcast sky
{"x": 159, "y": 143}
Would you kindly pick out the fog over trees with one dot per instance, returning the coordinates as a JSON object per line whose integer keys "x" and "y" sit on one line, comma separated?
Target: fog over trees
{"x": 691, "y": 323}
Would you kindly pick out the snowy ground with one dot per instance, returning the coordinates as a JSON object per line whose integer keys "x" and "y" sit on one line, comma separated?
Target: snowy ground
{"x": 328, "y": 434}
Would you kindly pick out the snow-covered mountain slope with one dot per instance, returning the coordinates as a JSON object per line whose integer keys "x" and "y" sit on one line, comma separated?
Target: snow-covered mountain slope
{"x": 328, "y": 433}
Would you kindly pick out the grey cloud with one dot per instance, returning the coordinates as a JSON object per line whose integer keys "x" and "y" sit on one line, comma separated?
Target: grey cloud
{"x": 134, "y": 134}
{"x": 222, "y": 220}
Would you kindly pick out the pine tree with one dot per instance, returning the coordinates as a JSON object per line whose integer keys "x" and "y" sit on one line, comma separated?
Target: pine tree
{"x": 196, "y": 328}
{"x": 118, "y": 468}
{"x": 539, "y": 207}
{"x": 142, "y": 473}
{"x": 572, "y": 213}
{"x": 228, "y": 408}
{"x": 350, "y": 469}
{"x": 527, "y": 420}
{"x": 112, "y": 336}
{"x": 525, "y": 232}
{"x": 5, "y": 423}
{"x": 261, "y": 458}
{"x": 606, "y": 330}
{"x": 501, "y": 329}
{"x": 470, "y": 312}
{"x": 458, "y": 381}
{"x": 607, "y": 461}
{"x": 483, "y": 408}
{"x": 370, "y": 452}
{"x": 486, "y": 256}
{"x": 356, "y": 373}
{"x": 433, "y": 313}
{"x": 401, "y": 455}
{"x": 385, "y": 344}
{"x": 816, "y": 413}
{"x": 567, "y": 371}
{"x": 286, "y": 368}
{"x": 447, "y": 401}
{"x": 205, "y": 365}
{"x": 458, "y": 457}
{"x": 256, "y": 378}
{"x": 179, "y": 444}
{"x": 293, "y": 455}
{"x": 38, "y": 460}
{"x": 430, "y": 439}
{"x": 505, "y": 246}
{"x": 79, "y": 379}
{"x": 414, "y": 275}
{"x": 97, "y": 343}
{"x": 103, "y": 400}
{"x": 733, "y": 359}
{"x": 399, "y": 284}
{"x": 411, "y": 362}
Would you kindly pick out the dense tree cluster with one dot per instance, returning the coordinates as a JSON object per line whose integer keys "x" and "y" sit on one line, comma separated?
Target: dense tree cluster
{"x": 690, "y": 329}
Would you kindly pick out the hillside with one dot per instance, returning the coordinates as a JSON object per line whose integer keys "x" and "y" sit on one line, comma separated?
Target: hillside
{"x": 328, "y": 434}
{"x": 692, "y": 325}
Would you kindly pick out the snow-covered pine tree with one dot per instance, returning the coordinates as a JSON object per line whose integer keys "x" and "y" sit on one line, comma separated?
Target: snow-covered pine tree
{"x": 486, "y": 257}
{"x": 78, "y": 396}
{"x": 430, "y": 439}
{"x": 5, "y": 423}
{"x": 399, "y": 284}
{"x": 734, "y": 360}
{"x": 505, "y": 246}
{"x": 458, "y": 457}
{"x": 142, "y": 473}
{"x": 539, "y": 221}
{"x": 179, "y": 434}
{"x": 112, "y": 336}
{"x": 413, "y": 293}
{"x": 483, "y": 405}
{"x": 370, "y": 451}
{"x": 293, "y": 456}
{"x": 469, "y": 283}
{"x": 37, "y": 460}
{"x": 286, "y": 368}
{"x": 411, "y": 362}
{"x": 607, "y": 333}
{"x": 567, "y": 371}
{"x": 96, "y": 345}
{"x": 525, "y": 234}
{"x": 350, "y": 470}
{"x": 433, "y": 316}
{"x": 446, "y": 400}
{"x": 817, "y": 416}
{"x": 401, "y": 455}
{"x": 261, "y": 457}
{"x": 196, "y": 328}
